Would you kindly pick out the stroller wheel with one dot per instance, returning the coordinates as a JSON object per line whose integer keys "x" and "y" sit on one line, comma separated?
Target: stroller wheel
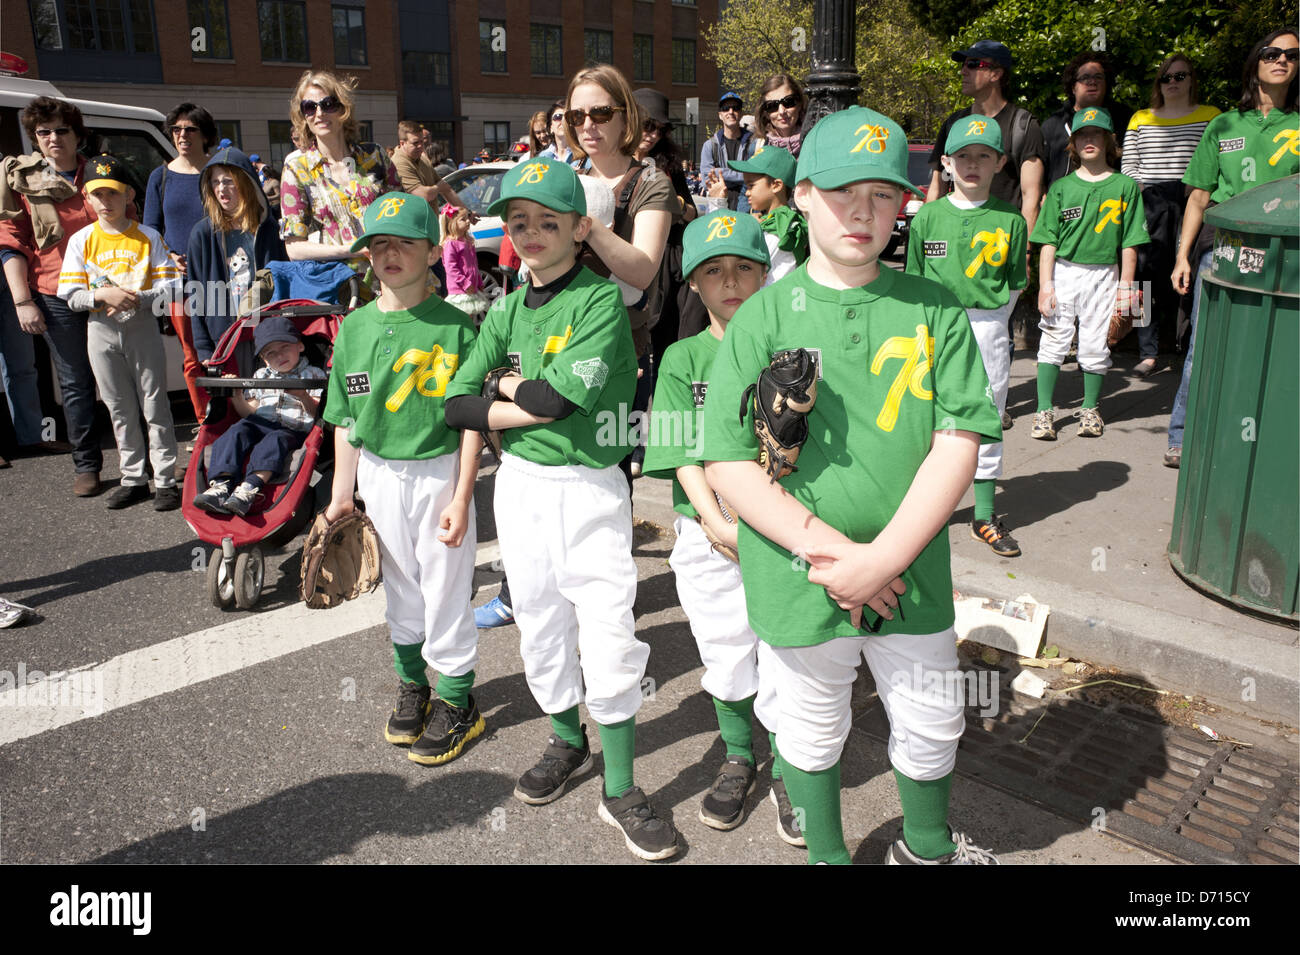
{"x": 250, "y": 571}
{"x": 221, "y": 586}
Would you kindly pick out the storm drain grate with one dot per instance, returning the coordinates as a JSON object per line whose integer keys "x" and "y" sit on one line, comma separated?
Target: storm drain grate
{"x": 1166, "y": 789}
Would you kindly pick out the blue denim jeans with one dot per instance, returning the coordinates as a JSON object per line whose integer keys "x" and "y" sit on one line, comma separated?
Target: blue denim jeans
{"x": 65, "y": 333}
{"x": 1178, "y": 417}
{"x": 18, "y": 371}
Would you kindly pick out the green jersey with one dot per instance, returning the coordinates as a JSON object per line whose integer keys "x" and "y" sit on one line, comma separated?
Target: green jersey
{"x": 390, "y": 374}
{"x": 674, "y": 438}
{"x": 977, "y": 254}
{"x": 1241, "y": 150}
{"x": 790, "y": 229}
{"x": 580, "y": 343}
{"x": 1090, "y": 223}
{"x": 897, "y": 362}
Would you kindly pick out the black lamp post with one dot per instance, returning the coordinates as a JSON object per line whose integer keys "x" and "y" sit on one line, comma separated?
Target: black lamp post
{"x": 833, "y": 82}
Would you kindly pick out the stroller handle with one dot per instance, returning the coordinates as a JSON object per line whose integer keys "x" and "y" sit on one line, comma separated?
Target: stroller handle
{"x": 218, "y": 385}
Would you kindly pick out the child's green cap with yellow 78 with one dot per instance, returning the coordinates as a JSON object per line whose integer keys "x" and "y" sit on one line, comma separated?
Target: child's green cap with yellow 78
{"x": 854, "y": 145}
{"x": 974, "y": 130}
{"x": 547, "y": 182}
{"x": 772, "y": 161}
{"x": 396, "y": 213}
{"x": 1092, "y": 116}
{"x": 722, "y": 233}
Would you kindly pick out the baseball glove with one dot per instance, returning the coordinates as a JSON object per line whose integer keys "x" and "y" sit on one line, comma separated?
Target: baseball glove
{"x": 1121, "y": 322}
{"x": 782, "y": 397}
{"x": 492, "y": 392}
{"x": 339, "y": 561}
{"x": 726, "y": 550}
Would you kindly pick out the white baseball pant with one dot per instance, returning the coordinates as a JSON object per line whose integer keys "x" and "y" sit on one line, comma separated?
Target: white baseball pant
{"x": 712, "y": 595}
{"x": 1086, "y": 294}
{"x": 566, "y": 542}
{"x": 428, "y": 584}
{"x": 990, "y": 328}
{"x": 919, "y": 683}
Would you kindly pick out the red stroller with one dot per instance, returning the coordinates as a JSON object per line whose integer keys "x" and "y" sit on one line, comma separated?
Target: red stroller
{"x": 236, "y": 568}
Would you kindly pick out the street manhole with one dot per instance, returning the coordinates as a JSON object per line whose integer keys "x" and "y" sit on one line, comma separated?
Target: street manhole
{"x": 1164, "y": 788}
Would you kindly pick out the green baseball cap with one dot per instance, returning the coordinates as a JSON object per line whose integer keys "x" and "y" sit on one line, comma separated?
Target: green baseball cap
{"x": 974, "y": 130}
{"x": 1092, "y": 116}
{"x": 853, "y": 145}
{"x": 547, "y": 182}
{"x": 396, "y": 213}
{"x": 722, "y": 233}
{"x": 769, "y": 161}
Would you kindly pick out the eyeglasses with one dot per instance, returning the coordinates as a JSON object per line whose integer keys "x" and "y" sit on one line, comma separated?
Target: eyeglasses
{"x": 1090, "y": 78}
{"x": 789, "y": 102}
{"x": 600, "y": 115}
{"x": 1270, "y": 54}
{"x": 981, "y": 65}
{"x": 182, "y": 130}
{"x": 728, "y": 109}
{"x": 330, "y": 104}
{"x": 51, "y": 133}
{"x": 1175, "y": 77}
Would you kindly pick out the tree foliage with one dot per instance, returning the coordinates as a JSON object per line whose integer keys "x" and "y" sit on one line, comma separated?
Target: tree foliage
{"x": 946, "y": 18}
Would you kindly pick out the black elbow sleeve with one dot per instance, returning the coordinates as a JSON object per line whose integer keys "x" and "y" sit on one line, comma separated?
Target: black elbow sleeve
{"x": 467, "y": 413}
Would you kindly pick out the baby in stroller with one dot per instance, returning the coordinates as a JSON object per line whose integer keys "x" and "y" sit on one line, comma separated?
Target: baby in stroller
{"x": 274, "y": 423}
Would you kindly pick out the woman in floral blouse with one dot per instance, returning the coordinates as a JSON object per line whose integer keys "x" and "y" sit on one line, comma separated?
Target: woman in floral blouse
{"x": 328, "y": 183}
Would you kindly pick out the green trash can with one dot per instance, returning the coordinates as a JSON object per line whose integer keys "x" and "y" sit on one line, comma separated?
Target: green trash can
{"x": 1236, "y": 526}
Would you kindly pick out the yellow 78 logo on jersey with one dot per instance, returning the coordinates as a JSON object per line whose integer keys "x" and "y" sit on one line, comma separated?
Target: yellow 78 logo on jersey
{"x": 1111, "y": 210}
{"x": 918, "y": 355}
{"x": 1292, "y": 145}
{"x": 434, "y": 364}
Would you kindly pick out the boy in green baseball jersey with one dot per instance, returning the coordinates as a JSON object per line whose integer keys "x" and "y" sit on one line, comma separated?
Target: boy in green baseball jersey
{"x": 1090, "y": 220}
{"x": 393, "y": 360}
{"x": 725, "y": 259}
{"x": 973, "y": 244}
{"x": 769, "y": 181}
{"x": 563, "y": 512}
{"x": 902, "y": 404}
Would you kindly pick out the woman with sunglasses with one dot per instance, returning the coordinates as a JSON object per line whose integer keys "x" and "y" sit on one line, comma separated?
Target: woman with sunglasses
{"x": 41, "y": 207}
{"x": 780, "y": 114}
{"x": 560, "y": 147}
{"x": 1159, "y": 144}
{"x": 329, "y": 182}
{"x": 1255, "y": 143}
{"x": 173, "y": 207}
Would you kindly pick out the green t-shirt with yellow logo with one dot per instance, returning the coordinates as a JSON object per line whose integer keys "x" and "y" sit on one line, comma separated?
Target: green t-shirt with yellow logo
{"x": 977, "y": 254}
{"x": 1090, "y": 223}
{"x": 1239, "y": 151}
{"x": 390, "y": 375}
{"x": 897, "y": 362}
{"x": 580, "y": 343}
{"x": 674, "y": 435}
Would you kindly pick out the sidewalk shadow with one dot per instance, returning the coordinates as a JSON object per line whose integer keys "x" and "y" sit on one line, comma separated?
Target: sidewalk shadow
{"x": 1036, "y": 497}
{"x": 104, "y": 572}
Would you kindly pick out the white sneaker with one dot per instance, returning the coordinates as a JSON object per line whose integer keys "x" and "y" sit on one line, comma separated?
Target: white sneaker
{"x": 966, "y": 853}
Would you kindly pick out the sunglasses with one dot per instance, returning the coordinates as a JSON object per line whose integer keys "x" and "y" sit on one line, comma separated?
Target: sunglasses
{"x": 48, "y": 133}
{"x": 600, "y": 115}
{"x": 330, "y": 104}
{"x": 1090, "y": 78}
{"x": 1271, "y": 53}
{"x": 182, "y": 130}
{"x": 728, "y": 109}
{"x": 772, "y": 105}
{"x": 981, "y": 65}
{"x": 1174, "y": 77}
{"x": 556, "y": 117}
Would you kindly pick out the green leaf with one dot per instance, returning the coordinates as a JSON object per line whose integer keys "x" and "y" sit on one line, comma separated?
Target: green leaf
{"x": 1052, "y": 652}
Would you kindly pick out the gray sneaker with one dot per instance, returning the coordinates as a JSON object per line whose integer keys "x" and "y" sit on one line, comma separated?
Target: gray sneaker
{"x": 723, "y": 806}
{"x": 966, "y": 853}
{"x": 787, "y": 823}
{"x": 213, "y": 500}
{"x": 560, "y": 763}
{"x": 647, "y": 836}
{"x": 1044, "y": 428}
{"x": 241, "y": 499}
{"x": 1090, "y": 423}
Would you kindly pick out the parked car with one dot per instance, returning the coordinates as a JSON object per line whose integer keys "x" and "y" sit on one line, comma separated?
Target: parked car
{"x": 478, "y": 187}
{"x": 918, "y": 173}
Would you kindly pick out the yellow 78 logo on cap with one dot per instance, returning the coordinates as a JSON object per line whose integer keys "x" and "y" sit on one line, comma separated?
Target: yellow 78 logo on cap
{"x": 390, "y": 206}
{"x": 874, "y": 141}
{"x": 1089, "y": 116}
{"x": 533, "y": 172}
{"x": 721, "y": 228}
{"x": 976, "y": 127}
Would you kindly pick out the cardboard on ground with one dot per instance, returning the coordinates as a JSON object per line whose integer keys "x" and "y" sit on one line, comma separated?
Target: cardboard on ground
{"x": 1012, "y": 625}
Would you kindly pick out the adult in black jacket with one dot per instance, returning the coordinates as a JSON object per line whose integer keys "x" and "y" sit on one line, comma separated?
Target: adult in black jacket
{"x": 1086, "y": 81}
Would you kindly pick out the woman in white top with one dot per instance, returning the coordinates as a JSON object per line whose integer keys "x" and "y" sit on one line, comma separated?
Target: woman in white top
{"x": 1157, "y": 148}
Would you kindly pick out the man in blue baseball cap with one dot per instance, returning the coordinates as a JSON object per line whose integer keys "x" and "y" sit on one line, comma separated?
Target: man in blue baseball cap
{"x": 728, "y": 143}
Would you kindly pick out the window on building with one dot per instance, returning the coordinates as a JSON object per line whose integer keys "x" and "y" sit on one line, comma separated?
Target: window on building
{"x": 684, "y": 61}
{"x": 496, "y": 138}
{"x": 213, "y": 19}
{"x": 366, "y": 130}
{"x": 107, "y": 26}
{"x": 442, "y": 132}
{"x": 544, "y": 43}
{"x": 643, "y": 58}
{"x": 229, "y": 129}
{"x": 598, "y": 46}
{"x": 349, "y": 36}
{"x": 683, "y": 3}
{"x": 492, "y": 46}
{"x": 422, "y": 69}
{"x": 278, "y": 131}
{"x": 283, "y": 28}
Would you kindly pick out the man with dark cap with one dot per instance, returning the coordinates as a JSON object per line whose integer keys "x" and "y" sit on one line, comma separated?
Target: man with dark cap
{"x": 728, "y": 143}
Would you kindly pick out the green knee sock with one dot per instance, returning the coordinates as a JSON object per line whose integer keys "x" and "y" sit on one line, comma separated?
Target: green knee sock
{"x": 1047, "y": 375}
{"x": 984, "y": 498}
{"x": 409, "y": 663}
{"x": 1091, "y": 388}
{"x": 736, "y": 725}
{"x": 925, "y": 814}
{"x": 818, "y": 795}
{"x": 777, "y": 770}
{"x": 455, "y": 689}
{"x": 567, "y": 727}
{"x": 618, "y": 744}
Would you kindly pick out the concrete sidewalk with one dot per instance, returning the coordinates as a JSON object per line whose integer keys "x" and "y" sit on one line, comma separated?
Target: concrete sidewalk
{"x": 1092, "y": 517}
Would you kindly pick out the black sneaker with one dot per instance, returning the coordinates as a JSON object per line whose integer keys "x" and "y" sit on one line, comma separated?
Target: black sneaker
{"x": 213, "y": 500}
{"x": 996, "y": 536}
{"x": 547, "y": 781}
{"x": 167, "y": 498}
{"x": 966, "y": 853}
{"x": 445, "y": 735}
{"x": 647, "y": 836}
{"x": 787, "y": 823}
{"x": 407, "y": 722}
{"x": 126, "y": 495}
{"x": 723, "y": 806}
